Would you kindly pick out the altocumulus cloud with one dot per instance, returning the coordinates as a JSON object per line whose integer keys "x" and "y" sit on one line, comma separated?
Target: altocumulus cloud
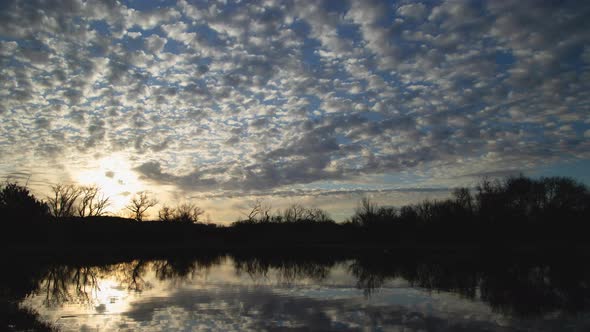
{"x": 240, "y": 97}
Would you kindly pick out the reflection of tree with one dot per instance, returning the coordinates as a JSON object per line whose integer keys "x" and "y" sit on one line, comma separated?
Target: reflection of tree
{"x": 64, "y": 284}
{"x": 131, "y": 275}
{"x": 289, "y": 269}
{"x": 535, "y": 289}
{"x": 520, "y": 287}
{"x": 254, "y": 268}
{"x": 80, "y": 284}
{"x": 181, "y": 268}
{"x": 372, "y": 273}
{"x": 173, "y": 269}
{"x": 514, "y": 286}
{"x": 366, "y": 279}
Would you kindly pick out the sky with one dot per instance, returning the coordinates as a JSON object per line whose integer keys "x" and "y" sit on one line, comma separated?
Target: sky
{"x": 314, "y": 102}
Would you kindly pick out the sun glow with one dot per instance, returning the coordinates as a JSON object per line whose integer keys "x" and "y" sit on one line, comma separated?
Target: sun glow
{"x": 114, "y": 177}
{"x": 110, "y": 297}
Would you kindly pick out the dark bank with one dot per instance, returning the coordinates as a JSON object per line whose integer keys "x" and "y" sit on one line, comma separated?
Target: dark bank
{"x": 516, "y": 212}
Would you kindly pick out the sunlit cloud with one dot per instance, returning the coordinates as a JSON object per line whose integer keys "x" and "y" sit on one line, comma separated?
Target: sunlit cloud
{"x": 113, "y": 176}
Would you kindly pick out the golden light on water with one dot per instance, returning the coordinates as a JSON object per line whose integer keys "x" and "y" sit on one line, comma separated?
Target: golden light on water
{"x": 110, "y": 296}
{"x": 114, "y": 177}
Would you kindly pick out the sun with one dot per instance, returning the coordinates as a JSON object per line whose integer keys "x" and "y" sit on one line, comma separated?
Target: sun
{"x": 114, "y": 177}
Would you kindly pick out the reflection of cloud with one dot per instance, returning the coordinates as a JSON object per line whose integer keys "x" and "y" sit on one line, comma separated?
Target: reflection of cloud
{"x": 101, "y": 308}
{"x": 211, "y": 294}
{"x": 261, "y": 308}
{"x": 232, "y": 308}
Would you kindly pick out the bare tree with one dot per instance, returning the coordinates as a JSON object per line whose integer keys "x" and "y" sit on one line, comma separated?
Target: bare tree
{"x": 92, "y": 202}
{"x": 140, "y": 203}
{"x": 365, "y": 213}
{"x": 255, "y": 211}
{"x": 61, "y": 202}
{"x": 166, "y": 214}
{"x": 295, "y": 212}
{"x": 317, "y": 215}
{"x": 189, "y": 213}
{"x": 259, "y": 212}
{"x": 463, "y": 198}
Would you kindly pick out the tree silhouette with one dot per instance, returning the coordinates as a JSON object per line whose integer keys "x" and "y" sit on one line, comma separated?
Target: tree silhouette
{"x": 92, "y": 202}
{"x": 317, "y": 215}
{"x": 463, "y": 198}
{"x": 166, "y": 214}
{"x": 61, "y": 202}
{"x": 140, "y": 204}
{"x": 259, "y": 212}
{"x": 17, "y": 202}
{"x": 188, "y": 213}
{"x": 365, "y": 213}
{"x": 293, "y": 213}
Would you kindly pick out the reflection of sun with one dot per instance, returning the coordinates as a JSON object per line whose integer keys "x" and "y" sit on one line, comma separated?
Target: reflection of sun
{"x": 115, "y": 179}
{"x": 109, "y": 296}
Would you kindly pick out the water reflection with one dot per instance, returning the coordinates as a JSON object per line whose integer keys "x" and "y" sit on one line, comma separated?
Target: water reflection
{"x": 265, "y": 292}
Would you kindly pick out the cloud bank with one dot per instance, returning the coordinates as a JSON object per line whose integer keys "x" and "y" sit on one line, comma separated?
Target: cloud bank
{"x": 238, "y": 98}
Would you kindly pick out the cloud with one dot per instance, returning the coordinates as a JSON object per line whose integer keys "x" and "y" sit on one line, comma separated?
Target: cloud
{"x": 155, "y": 43}
{"x": 414, "y": 10}
{"x": 264, "y": 96}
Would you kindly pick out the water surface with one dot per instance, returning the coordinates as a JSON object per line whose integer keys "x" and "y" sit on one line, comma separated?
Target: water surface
{"x": 224, "y": 292}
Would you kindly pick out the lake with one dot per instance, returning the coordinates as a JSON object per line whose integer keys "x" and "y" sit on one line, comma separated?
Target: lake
{"x": 255, "y": 292}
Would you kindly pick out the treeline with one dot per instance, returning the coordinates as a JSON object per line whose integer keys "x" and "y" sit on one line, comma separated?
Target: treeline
{"x": 67, "y": 201}
{"x": 512, "y": 200}
{"x": 513, "y": 210}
